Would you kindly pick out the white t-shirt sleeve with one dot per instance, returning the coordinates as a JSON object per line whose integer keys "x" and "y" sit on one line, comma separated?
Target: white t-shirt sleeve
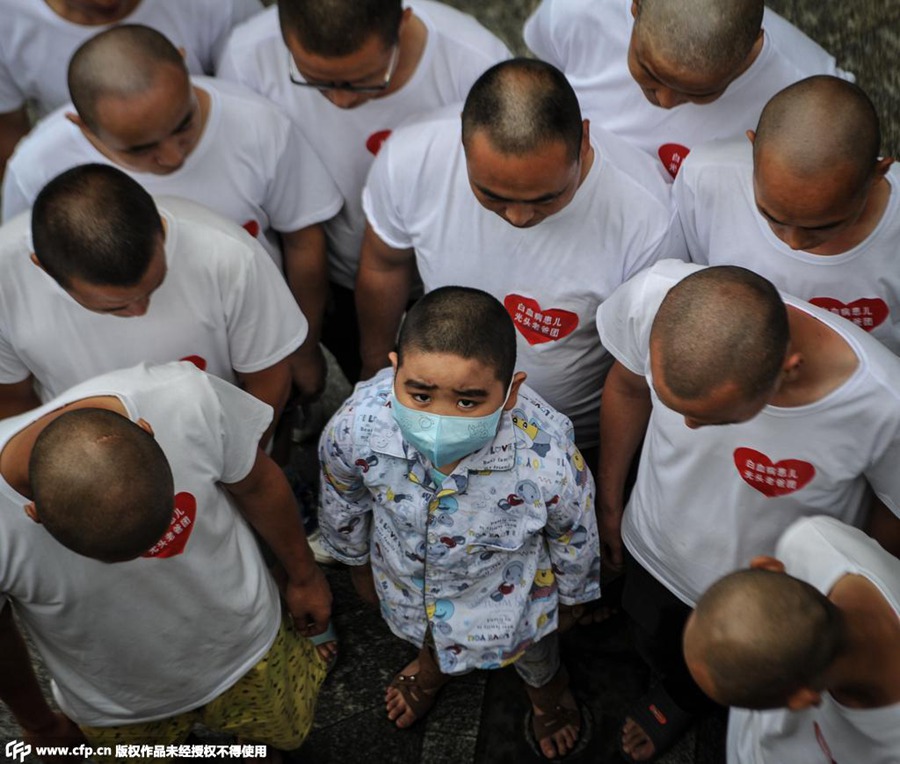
{"x": 241, "y": 423}
{"x": 684, "y": 196}
{"x": 263, "y": 321}
{"x": 11, "y": 96}
{"x": 301, "y": 191}
{"x": 12, "y": 369}
{"x": 624, "y": 326}
{"x": 241, "y": 10}
{"x": 380, "y": 198}
{"x": 15, "y": 200}
{"x": 538, "y": 34}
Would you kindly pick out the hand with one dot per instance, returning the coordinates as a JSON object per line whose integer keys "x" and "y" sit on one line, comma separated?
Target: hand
{"x": 364, "y": 583}
{"x": 609, "y": 526}
{"x": 309, "y": 602}
{"x": 59, "y": 730}
{"x": 308, "y": 372}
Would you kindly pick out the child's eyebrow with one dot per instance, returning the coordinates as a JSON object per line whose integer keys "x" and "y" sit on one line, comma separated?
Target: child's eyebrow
{"x": 474, "y": 392}
{"x": 414, "y": 383}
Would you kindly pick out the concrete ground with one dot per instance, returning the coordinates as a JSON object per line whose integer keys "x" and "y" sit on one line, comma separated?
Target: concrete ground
{"x": 479, "y": 718}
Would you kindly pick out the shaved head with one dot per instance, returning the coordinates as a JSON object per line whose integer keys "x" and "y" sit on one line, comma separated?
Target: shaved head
{"x": 713, "y": 37}
{"x": 121, "y": 62}
{"x": 332, "y": 28}
{"x": 523, "y": 105}
{"x": 757, "y": 636}
{"x": 822, "y": 125}
{"x": 721, "y": 325}
{"x": 102, "y": 486}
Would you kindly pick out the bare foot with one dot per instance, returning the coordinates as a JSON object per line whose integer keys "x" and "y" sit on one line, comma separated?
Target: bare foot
{"x": 564, "y": 740}
{"x": 635, "y": 742}
{"x": 414, "y": 701}
{"x": 328, "y": 651}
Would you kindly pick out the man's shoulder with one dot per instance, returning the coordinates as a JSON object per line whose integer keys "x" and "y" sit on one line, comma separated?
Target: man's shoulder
{"x": 455, "y": 26}
{"x": 46, "y": 149}
{"x": 15, "y": 242}
{"x": 438, "y": 128}
{"x": 793, "y": 47}
{"x": 717, "y": 162}
{"x": 202, "y": 238}
{"x": 256, "y": 32}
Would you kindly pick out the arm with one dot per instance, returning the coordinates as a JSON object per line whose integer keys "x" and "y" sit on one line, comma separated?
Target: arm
{"x": 18, "y": 397}
{"x": 624, "y": 413}
{"x": 20, "y": 691}
{"x": 306, "y": 271}
{"x": 14, "y": 125}
{"x": 884, "y": 526}
{"x": 382, "y": 291}
{"x": 272, "y": 386}
{"x": 265, "y": 499}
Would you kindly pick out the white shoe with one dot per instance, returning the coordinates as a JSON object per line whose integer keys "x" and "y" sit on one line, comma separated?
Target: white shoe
{"x": 323, "y": 557}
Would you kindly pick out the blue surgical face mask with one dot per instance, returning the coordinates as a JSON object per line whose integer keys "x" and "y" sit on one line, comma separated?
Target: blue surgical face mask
{"x": 445, "y": 439}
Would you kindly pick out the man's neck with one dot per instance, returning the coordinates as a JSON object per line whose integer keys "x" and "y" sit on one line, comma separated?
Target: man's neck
{"x": 826, "y": 361}
{"x": 867, "y": 672}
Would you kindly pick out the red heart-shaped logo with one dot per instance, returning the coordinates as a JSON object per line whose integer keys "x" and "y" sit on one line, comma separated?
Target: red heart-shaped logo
{"x": 176, "y": 537}
{"x": 866, "y": 313}
{"x": 197, "y": 360}
{"x": 772, "y": 479}
{"x": 536, "y": 324}
{"x": 374, "y": 141}
{"x": 672, "y": 155}
{"x": 251, "y": 227}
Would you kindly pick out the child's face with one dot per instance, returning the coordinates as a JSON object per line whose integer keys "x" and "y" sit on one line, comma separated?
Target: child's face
{"x": 449, "y": 385}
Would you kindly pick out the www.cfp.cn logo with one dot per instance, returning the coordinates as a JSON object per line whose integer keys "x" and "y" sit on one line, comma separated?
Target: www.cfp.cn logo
{"x": 16, "y": 750}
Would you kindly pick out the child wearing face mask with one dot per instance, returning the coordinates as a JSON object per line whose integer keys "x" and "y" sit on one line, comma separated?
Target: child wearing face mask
{"x": 459, "y": 499}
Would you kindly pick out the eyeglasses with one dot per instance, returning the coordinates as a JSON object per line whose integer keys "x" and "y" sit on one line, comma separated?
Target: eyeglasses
{"x": 297, "y": 78}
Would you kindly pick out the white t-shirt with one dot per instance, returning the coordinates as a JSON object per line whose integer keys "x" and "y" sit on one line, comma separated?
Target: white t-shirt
{"x": 260, "y": 173}
{"x": 588, "y": 40}
{"x": 37, "y": 43}
{"x": 223, "y": 305}
{"x": 456, "y": 53}
{"x": 550, "y": 277}
{"x": 716, "y": 205}
{"x": 156, "y": 636}
{"x": 707, "y": 500}
{"x": 821, "y": 551}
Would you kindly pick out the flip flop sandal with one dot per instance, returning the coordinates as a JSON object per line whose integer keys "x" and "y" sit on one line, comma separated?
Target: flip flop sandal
{"x": 660, "y": 719}
{"x": 555, "y": 717}
{"x": 419, "y": 691}
{"x": 329, "y": 635}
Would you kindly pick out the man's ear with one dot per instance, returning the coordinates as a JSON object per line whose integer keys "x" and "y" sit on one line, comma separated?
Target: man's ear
{"x": 585, "y": 140}
{"x": 395, "y": 364}
{"x": 751, "y": 136}
{"x": 145, "y": 426}
{"x": 513, "y": 397}
{"x": 882, "y": 166}
{"x": 31, "y": 511}
{"x": 803, "y": 698}
{"x": 763, "y": 562}
{"x": 34, "y": 259}
{"x": 635, "y": 7}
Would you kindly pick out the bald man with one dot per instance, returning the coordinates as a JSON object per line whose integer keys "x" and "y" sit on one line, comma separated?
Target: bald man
{"x": 810, "y": 205}
{"x": 670, "y": 74}
{"x": 40, "y": 37}
{"x": 805, "y": 646}
{"x": 348, "y": 72}
{"x": 135, "y": 107}
{"x": 127, "y": 507}
{"x": 517, "y": 199}
{"x": 754, "y": 410}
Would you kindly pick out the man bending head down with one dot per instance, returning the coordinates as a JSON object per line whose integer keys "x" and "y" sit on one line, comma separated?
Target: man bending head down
{"x": 759, "y": 637}
{"x": 527, "y": 147}
{"x": 101, "y": 485}
{"x": 718, "y": 346}
{"x": 818, "y": 179}
{"x": 99, "y": 235}
{"x": 690, "y": 51}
